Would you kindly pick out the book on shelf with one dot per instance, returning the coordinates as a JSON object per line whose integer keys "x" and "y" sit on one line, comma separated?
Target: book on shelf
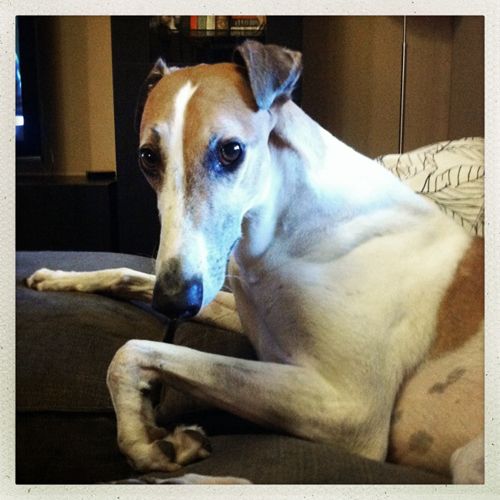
{"x": 247, "y": 23}
{"x": 210, "y": 23}
{"x": 222, "y": 23}
{"x": 203, "y": 23}
{"x": 227, "y": 23}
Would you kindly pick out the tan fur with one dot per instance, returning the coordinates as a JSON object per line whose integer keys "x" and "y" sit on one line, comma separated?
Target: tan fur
{"x": 211, "y": 82}
{"x": 462, "y": 309}
{"x": 441, "y": 407}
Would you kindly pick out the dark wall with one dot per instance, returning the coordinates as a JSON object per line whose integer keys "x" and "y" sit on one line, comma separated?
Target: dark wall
{"x": 138, "y": 228}
{"x": 65, "y": 213}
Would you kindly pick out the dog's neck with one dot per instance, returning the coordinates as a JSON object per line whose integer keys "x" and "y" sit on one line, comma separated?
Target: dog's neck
{"x": 315, "y": 181}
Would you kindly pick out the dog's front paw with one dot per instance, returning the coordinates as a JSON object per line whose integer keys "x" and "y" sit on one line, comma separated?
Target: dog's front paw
{"x": 184, "y": 445}
{"x": 47, "y": 279}
{"x": 60, "y": 281}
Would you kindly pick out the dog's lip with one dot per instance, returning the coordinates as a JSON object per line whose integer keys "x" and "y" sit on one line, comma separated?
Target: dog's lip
{"x": 231, "y": 248}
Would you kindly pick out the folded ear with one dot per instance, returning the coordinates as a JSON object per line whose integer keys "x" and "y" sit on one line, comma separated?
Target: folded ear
{"x": 273, "y": 71}
{"x": 159, "y": 70}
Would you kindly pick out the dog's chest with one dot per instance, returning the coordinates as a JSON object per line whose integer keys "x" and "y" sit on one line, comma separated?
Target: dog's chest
{"x": 326, "y": 313}
{"x": 372, "y": 309}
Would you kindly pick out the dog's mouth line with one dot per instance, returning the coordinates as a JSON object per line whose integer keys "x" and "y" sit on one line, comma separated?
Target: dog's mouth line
{"x": 232, "y": 247}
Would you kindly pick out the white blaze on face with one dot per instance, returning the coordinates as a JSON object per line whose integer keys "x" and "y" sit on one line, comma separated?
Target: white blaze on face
{"x": 171, "y": 199}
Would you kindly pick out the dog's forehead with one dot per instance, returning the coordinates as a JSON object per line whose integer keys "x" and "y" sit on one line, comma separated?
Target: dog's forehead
{"x": 218, "y": 90}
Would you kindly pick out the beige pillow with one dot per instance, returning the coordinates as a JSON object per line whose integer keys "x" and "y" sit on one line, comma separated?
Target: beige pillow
{"x": 451, "y": 174}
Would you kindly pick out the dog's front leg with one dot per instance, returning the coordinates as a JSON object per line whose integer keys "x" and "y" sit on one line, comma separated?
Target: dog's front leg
{"x": 120, "y": 282}
{"x": 284, "y": 397}
{"x": 130, "y": 379}
{"x": 126, "y": 283}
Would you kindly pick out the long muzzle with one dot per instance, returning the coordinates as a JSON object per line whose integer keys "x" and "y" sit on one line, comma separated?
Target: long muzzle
{"x": 176, "y": 296}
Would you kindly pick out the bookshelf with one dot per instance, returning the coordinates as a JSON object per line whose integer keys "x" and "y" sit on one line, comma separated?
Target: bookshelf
{"x": 187, "y": 40}
{"x": 220, "y": 26}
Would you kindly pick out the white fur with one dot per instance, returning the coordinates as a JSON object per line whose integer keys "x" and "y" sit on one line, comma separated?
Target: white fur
{"x": 337, "y": 279}
{"x": 171, "y": 204}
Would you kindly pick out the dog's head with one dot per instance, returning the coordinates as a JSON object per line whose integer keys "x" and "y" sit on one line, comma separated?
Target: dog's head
{"x": 204, "y": 135}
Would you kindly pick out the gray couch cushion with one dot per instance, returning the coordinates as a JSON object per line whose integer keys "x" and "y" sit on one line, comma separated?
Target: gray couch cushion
{"x": 279, "y": 459}
{"x": 65, "y": 340}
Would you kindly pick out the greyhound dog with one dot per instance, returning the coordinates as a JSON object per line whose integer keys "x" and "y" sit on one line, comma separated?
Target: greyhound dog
{"x": 363, "y": 301}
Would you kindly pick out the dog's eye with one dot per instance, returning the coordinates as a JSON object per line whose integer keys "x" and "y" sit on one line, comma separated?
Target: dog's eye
{"x": 149, "y": 160}
{"x": 231, "y": 154}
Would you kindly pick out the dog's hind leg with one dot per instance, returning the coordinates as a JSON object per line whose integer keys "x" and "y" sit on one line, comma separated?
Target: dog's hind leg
{"x": 290, "y": 398}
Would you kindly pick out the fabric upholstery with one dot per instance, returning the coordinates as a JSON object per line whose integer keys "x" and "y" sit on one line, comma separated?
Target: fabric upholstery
{"x": 279, "y": 459}
{"x": 449, "y": 173}
{"x": 65, "y": 341}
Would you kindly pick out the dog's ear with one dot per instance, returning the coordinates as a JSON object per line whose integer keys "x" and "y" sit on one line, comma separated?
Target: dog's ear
{"x": 159, "y": 70}
{"x": 273, "y": 71}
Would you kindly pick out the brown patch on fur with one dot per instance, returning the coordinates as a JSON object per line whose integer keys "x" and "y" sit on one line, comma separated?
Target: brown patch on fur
{"x": 452, "y": 377}
{"x": 420, "y": 442}
{"x": 462, "y": 308}
{"x": 222, "y": 105}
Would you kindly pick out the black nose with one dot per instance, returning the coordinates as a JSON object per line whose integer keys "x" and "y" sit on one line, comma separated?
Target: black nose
{"x": 177, "y": 299}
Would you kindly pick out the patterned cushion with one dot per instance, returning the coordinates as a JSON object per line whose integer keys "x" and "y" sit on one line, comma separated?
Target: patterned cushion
{"x": 451, "y": 174}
